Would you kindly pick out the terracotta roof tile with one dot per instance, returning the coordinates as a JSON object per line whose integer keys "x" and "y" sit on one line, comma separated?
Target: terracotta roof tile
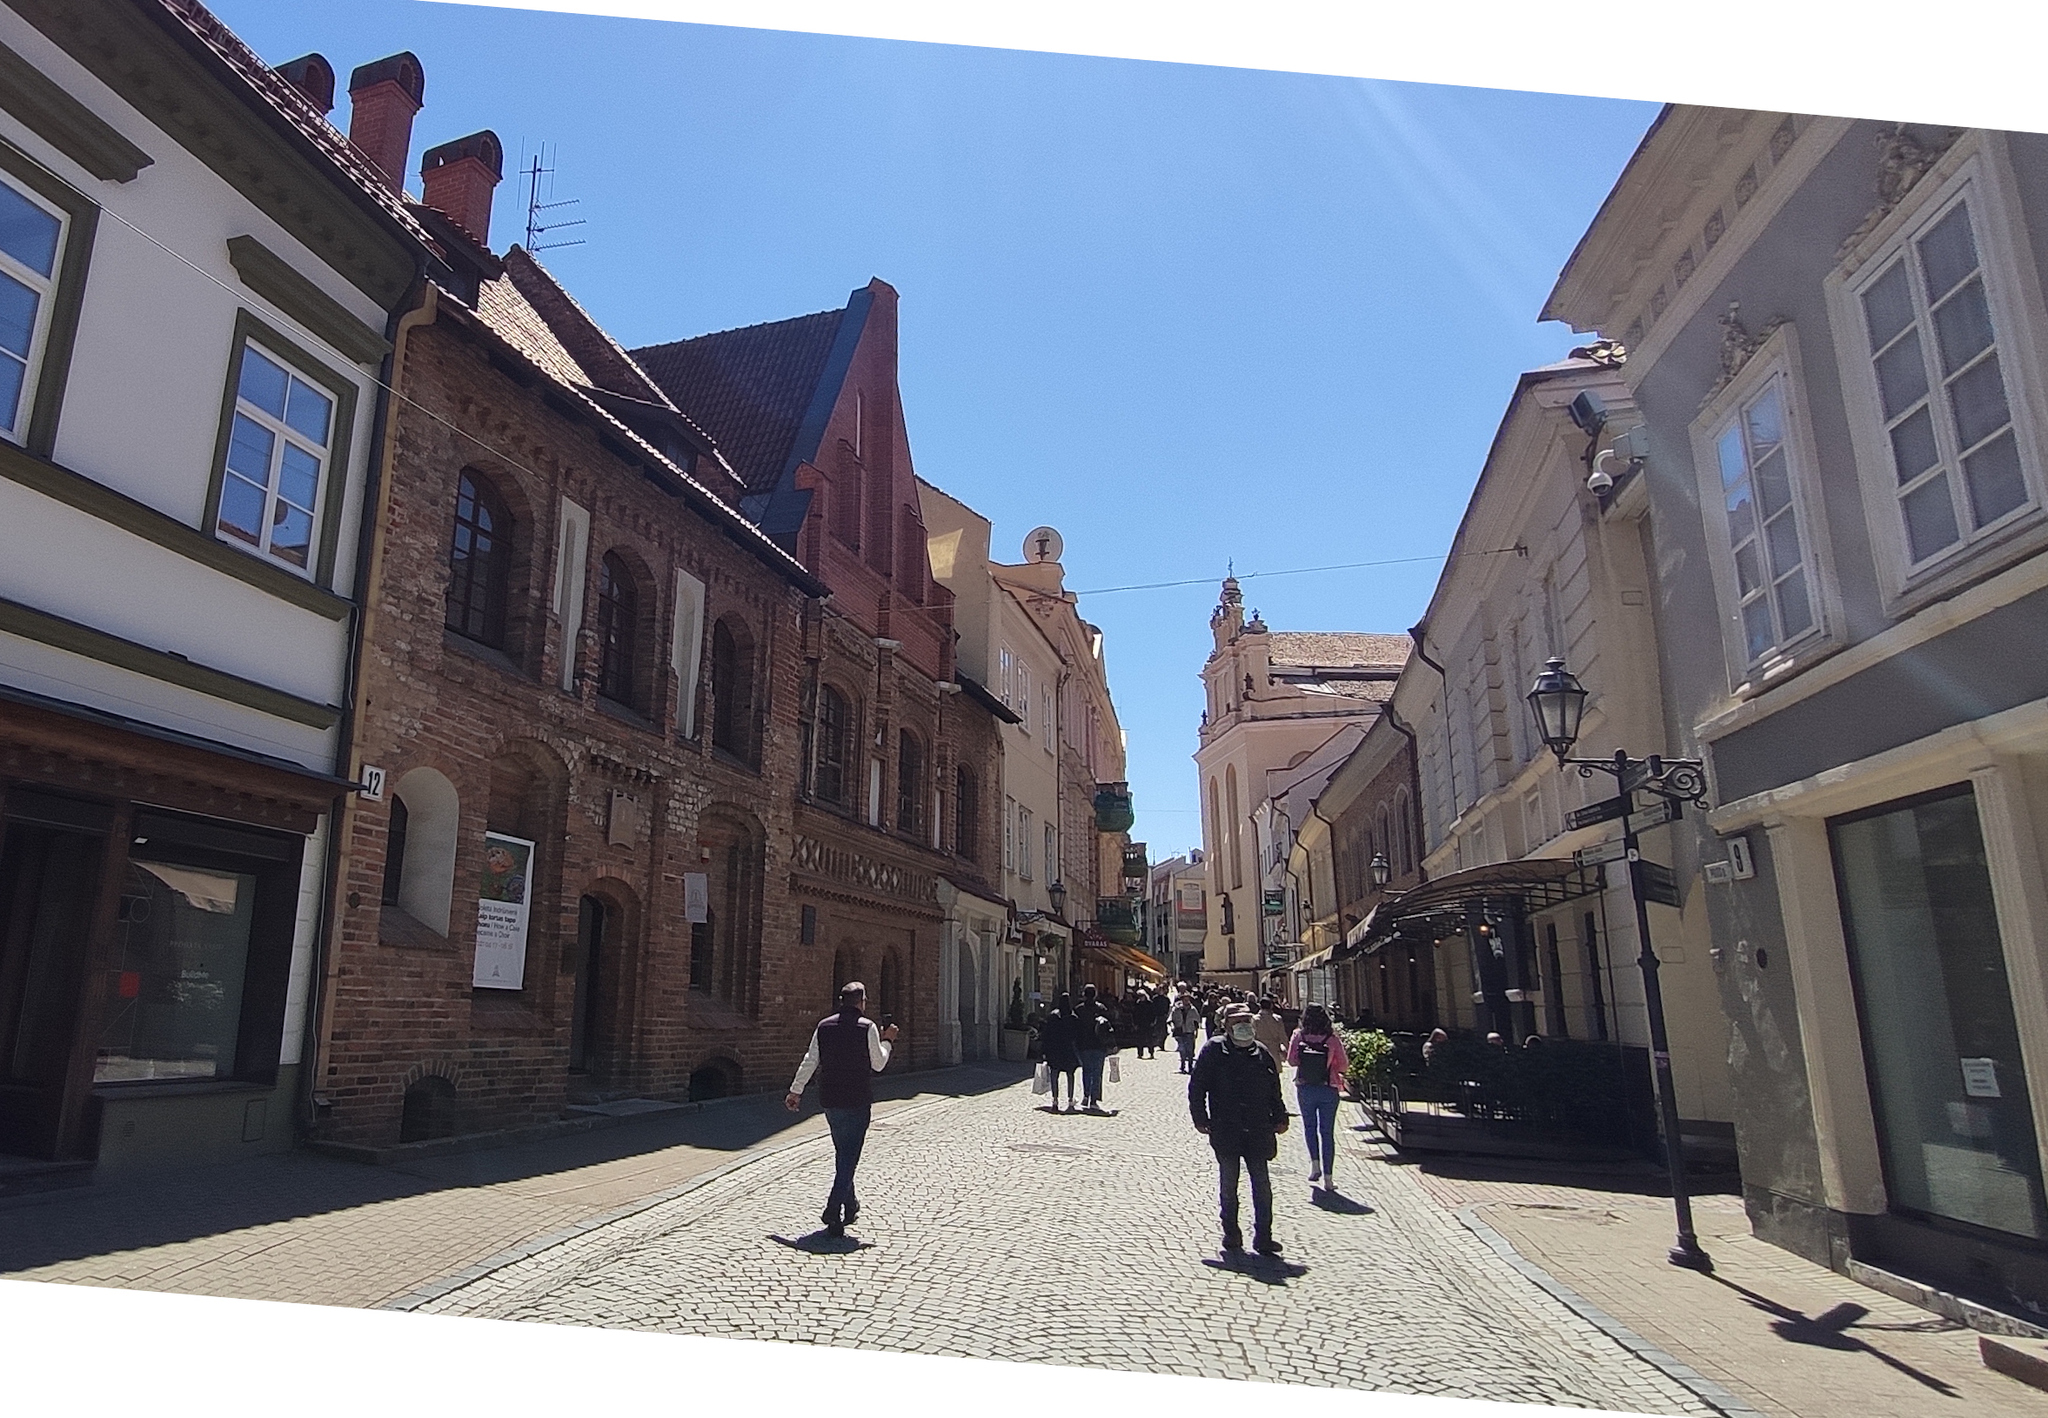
{"x": 1339, "y": 649}
{"x": 748, "y": 388}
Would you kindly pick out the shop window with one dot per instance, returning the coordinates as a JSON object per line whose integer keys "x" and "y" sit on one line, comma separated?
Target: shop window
{"x": 1948, "y": 1084}
{"x": 202, "y": 943}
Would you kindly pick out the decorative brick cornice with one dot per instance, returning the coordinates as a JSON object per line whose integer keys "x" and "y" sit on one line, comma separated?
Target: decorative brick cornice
{"x": 868, "y": 874}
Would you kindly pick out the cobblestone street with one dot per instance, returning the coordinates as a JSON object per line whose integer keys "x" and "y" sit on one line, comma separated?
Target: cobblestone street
{"x": 992, "y": 1229}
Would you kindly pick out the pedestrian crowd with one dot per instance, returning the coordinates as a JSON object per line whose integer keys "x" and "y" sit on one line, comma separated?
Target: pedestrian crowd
{"x": 1235, "y": 1049}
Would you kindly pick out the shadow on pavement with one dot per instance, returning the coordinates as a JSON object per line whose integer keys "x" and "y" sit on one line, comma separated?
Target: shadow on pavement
{"x": 135, "y": 1211}
{"x": 824, "y": 1243}
{"x": 1830, "y": 1331}
{"x": 1266, "y": 1270}
{"x": 1337, "y": 1202}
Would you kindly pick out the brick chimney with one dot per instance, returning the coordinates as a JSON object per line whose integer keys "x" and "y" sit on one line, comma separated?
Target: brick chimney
{"x": 459, "y": 178}
{"x": 313, "y": 77}
{"x": 383, "y": 99}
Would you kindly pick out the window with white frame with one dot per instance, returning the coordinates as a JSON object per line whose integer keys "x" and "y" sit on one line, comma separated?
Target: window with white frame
{"x": 1023, "y": 704}
{"x": 278, "y": 446}
{"x": 1009, "y": 834}
{"x": 31, "y": 243}
{"x": 1941, "y": 380}
{"x": 1024, "y": 842}
{"x": 1006, "y": 665}
{"x": 1052, "y": 856}
{"x": 1768, "y": 548}
{"x": 1045, "y": 720}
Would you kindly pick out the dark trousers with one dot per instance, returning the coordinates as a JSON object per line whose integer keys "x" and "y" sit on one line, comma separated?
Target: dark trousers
{"x": 1091, "y": 1074}
{"x": 1187, "y": 1050}
{"x": 849, "y": 1131}
{"x": 1228, "y": 1161}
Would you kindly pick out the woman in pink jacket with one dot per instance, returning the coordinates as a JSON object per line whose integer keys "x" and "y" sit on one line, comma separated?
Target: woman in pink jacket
{"x": 1317, "y": 1054}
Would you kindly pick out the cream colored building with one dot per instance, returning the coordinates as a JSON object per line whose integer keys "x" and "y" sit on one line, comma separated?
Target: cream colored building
{"x": 1273, "y": 697}
{"x": 1024, "y": 648}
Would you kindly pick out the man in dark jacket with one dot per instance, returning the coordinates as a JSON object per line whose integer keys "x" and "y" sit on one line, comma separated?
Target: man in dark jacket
{"x": 846, "y": 1052}
{"x": 1235, "y": 1099}
{"x": 1094, "y": 1036}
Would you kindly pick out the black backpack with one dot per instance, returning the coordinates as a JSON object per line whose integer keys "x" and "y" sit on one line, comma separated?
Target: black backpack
{"x": 1312, "y": 1061}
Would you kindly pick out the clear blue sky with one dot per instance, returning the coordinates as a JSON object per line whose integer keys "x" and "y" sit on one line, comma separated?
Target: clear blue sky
{"x": 1186, "y": 315}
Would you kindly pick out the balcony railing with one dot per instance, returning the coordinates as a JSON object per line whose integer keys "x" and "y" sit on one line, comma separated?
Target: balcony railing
{"x": 1121, "y": 918}
{"x": 1113, "y": 812}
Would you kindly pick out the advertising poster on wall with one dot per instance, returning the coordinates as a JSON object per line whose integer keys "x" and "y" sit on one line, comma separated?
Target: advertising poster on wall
{"x": 503, "y": 901}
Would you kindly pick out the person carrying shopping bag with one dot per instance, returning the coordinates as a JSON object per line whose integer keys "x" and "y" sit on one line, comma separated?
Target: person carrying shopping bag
{"x": 1316, "y": 1053}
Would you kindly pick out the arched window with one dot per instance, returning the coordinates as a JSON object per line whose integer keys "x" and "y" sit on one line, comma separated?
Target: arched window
{"x": 618, "y": 618}
{"x": 966, "y": 814}
{"x": 835, "y": 728}
{"x": 1404, "y": 830}
{"x": 1384, "y": 843}
{"x": 1236, "y": 838}
{"x": 732, "y": 691}
{"x": 909, "y": 781}
{"x": 394, "y": 852}
{"x": 479, "y": 563}
{"x": 889, "y": 989}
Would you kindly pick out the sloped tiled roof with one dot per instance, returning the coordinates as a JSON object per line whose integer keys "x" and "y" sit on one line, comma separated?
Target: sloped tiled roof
{"x": 1339, "y": 649}
{"x": 605, "y": 364}
{"x": 296, "y": 110}
{"x": 503, "y": 310}
{"x": 749, "y": 388}
{"x": 1372, "y": 691}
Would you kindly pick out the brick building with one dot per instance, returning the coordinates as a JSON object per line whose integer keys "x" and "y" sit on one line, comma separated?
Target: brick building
{"x": 580, "y": 679}
{"x": 893, "y": 806}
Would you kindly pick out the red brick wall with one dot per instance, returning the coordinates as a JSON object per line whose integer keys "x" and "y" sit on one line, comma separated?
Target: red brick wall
{"x": 400, "y": 1003}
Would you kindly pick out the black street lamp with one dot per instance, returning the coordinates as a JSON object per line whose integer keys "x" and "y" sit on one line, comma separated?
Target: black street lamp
{"x": 1057, "y": 894}
{"x": 1382, "y": 873}
{"x": 1558, "y": 701}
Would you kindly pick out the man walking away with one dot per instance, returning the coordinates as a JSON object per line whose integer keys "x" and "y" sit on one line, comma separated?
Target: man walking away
{"x": 1234, "y": 1097}
{"x": 1186, "y": 1020}
{"x": 1094, "y": 1032}
{"x": 1270, "y": 1027}
{"x": 846, "y": 1053}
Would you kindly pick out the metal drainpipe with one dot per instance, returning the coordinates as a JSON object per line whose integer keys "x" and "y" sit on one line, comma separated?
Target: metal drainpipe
{"x": 1415, "y": 634}
{"x": 420, "y": 311}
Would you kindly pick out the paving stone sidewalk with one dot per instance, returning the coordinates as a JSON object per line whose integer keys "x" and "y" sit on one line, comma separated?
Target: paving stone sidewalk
{"x": 994, "y": 1230}
{"x": 314, "y": 1230}
{"x": 1789, "y": 1338}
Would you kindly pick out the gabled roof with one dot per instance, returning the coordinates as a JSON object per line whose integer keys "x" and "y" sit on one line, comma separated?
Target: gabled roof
{"x": 1338, "y": 650}
{"x": 526, "y": 331}
{"x": 757, "y": 390}
{"x": 285, "y": 102}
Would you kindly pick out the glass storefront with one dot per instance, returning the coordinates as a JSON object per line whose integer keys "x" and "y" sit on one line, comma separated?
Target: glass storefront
{"x": 180, "y": 950}
{"x": 1954, "y": 1118}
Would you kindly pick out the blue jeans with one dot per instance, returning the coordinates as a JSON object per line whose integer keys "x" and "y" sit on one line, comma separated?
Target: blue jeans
{"x": 1091, "y": 1074}
{"x": 1319, "y": 1123}
{"x": 849, "y": 1130}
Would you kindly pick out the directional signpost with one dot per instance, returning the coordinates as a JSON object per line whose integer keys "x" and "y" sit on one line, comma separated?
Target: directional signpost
{"x": 1658, "y": 883}
{"x": 1608, "y": 810}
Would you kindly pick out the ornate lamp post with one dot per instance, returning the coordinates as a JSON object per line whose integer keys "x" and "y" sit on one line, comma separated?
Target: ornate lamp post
{"x": 1057, "y": 895}
{"x": 1382, "y": 873}
{"x": 1558, "y": 701}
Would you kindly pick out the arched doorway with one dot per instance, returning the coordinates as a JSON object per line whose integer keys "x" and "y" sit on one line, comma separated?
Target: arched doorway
{"x": 968, "y": 1001}
{"x": 594, "y": 930}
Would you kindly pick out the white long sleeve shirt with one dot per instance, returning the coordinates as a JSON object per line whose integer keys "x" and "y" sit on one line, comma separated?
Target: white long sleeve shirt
{"x": 878, "y": 1055}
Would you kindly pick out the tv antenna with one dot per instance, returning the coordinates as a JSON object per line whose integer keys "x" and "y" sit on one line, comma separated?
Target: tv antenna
{"x": 538, "y": 224}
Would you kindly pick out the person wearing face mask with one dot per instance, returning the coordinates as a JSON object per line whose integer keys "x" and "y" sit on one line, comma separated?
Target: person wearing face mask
{"x": 1234, "y": 1098}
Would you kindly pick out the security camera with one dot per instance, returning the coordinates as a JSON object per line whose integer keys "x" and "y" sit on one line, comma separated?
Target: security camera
{"x": 1601, "y": 481}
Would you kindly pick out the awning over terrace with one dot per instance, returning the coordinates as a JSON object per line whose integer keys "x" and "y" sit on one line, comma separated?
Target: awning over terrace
{"x": 1439, "y": 908}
